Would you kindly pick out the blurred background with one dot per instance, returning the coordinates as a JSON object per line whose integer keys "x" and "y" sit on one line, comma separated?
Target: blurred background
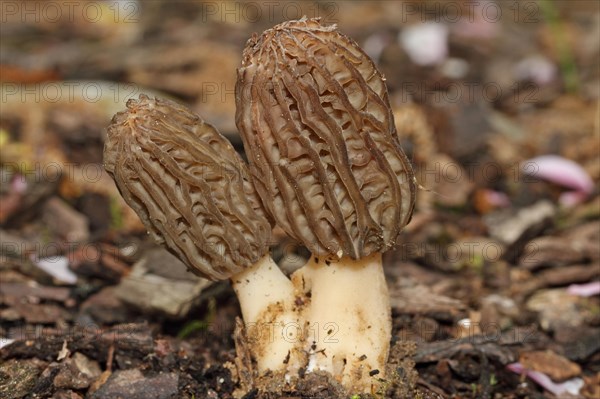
{"x": 496, "y": 104}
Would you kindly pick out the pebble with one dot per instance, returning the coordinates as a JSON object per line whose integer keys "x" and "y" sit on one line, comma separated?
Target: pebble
{"x": 132, "y": 384}
{"x": 159, "y": 282}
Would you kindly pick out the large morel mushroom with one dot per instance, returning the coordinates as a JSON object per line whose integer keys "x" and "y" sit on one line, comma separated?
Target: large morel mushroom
{"x": 325, "y": 159}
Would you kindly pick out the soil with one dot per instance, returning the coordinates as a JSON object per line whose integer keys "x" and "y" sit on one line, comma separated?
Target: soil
{"x": 494, "y": 284}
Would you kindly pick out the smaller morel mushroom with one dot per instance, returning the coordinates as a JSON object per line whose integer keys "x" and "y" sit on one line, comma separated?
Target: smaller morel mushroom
{"x": 325, "y": 159}
{"x": 193, "y": 193}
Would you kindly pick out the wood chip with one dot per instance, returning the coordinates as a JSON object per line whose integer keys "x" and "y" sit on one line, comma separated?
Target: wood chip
{"x": 550, "y": 251}
{"x": 507, "y": 226}
{"x": 435, "y": 351}
{"x": 557, "y": 367}
{"x": 420, "y": 300}
{"x": 59, "y": 294}
{"x": 41, "y": 313}
{"x": 65, "y": 221}
{"x": 562, "y": 276}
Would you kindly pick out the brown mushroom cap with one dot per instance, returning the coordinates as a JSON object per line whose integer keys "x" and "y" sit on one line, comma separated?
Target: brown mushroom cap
{"x": 188, "y": 185}
{"x": 317, "y": 127}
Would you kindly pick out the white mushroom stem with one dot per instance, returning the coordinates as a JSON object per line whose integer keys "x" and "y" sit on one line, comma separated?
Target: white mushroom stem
{"x": 266, "y": 298}
{"x": 349, "y": 319}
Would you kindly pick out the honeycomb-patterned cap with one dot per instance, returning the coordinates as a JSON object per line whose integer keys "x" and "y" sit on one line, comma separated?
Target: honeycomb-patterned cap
{"x": 317, "y": 127}
{"x": 188, "y": 185}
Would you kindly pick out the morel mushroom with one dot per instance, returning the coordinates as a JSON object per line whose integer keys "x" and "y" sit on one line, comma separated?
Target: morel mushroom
{"x": 192, "y": 192}
{"x": 326, "y": 161}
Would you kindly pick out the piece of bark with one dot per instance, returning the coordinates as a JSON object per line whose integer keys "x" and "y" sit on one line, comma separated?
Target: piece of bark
{"x": 435, "y": 351}
{"x": 585, "y": 238}
{"x": 569, "y": 275}
{"x": 173, "y": 292}
{"x": 134, "y": 339}
{"x": 98, "y": 260}
{"x": 508, "y": 226}
{"x": 21, "y": 290}
{"x": 556, "y": 309}
{"x": 550, "y": 251}
{"x": 40, "y": 313}
{"x": 450, "y": 181}
{"x": 515, "y": 228}
{"x": 557, "y": 277}
{"x": 557, "y": 367}
{"x": 579, "y": 344}
{"x": 105, "y": 307}
{"x": 420, "y": 300}
{"x": 132, "y": 384}
{"x": 65, "y": 221}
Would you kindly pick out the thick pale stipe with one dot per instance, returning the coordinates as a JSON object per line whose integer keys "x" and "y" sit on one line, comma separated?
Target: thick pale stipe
{"x": 349, "y": 319}
{"x": 266, "y": 298}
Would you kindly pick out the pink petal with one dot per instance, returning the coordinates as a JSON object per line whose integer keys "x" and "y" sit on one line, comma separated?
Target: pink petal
{"x": 516, "y": 368}
{"x": 375, "y": 44}
{"x": 536, "y": 68}
{"x": 585, "y": 290}
{"x": 572, "y": 198}
{"x": 5, "y": 342}
{"x": 497, "y": 198}
{"x": 425, "y": 43}
{"x": 18, "y": 184}
{"x": 559, "y": 170}
{"x": 478, "y": 25}
{"x": 57, "y": 267}
{"x": 572, "y": 386}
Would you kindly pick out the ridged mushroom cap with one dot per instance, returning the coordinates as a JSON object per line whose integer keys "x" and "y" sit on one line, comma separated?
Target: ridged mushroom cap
{"x": 318, "y": 130}
{"x": 188, "y": 185}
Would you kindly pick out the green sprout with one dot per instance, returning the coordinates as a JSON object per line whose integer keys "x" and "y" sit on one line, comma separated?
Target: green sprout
{"x": 493, "y": 380}
{"x": 116, "y": 216}
{"x": 199, "y": 325}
